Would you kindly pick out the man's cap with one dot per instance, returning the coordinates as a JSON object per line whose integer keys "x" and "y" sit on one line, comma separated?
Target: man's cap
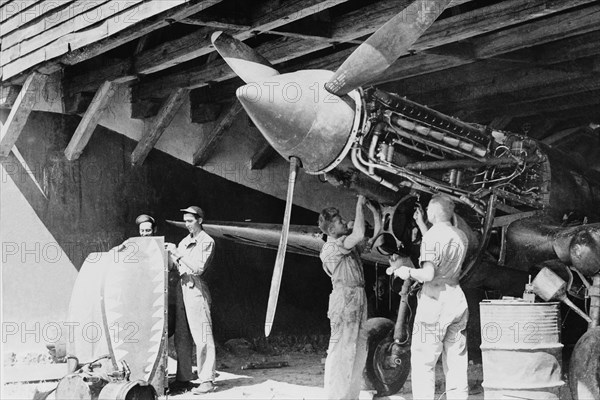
{"x": 194, "y": 210}
{"x": 144, "y": 218}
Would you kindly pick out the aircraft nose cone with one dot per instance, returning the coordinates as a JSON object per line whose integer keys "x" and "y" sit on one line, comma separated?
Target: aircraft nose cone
{"x": 299, "y": 118}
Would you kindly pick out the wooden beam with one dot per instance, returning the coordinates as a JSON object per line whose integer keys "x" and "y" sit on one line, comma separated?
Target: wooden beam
{"x": 90, "y": 119}
{"x": 366, "y": 20}
{"x": 158, "y": 126}
{"x": 555, "y": 137}
{"x": 31, "y": 92}
{"x": 207, "y": 147}
{"x": 484, "y": 48}
{"x": 528, "y": 85}
{"x": 418, "y": 71}
{"x": 531, "y": 106}
{"x": 312, "y": 37}
{"x": 196, "y": 45}
{"x": 262, "y": 157}
{"x": 215, "y": 24}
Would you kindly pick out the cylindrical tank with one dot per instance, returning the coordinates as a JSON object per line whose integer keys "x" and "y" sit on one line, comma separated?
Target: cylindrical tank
{"x": 521, "y": 350}
{"x": 128, "y": 390}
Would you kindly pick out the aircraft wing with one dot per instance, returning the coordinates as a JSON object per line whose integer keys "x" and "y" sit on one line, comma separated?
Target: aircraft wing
{"x": 303, "y": 239}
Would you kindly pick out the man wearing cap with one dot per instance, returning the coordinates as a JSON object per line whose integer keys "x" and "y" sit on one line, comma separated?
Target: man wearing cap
{"x": 192, "y": 257}
{"x": 146, "y": 225}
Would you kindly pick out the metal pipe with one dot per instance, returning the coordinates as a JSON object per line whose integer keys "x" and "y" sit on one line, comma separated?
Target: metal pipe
{"x": 594, "y": 293}
{"x": 362, "y": 169}
{"x": 373, "y": 146}
{"x": 446, "y": 164}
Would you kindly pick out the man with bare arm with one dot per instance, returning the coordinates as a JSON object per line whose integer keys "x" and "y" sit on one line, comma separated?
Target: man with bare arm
{"x": 441, "y": 318}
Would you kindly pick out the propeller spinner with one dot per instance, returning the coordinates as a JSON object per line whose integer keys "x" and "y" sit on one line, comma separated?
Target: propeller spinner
{"x": 310, "y": 116}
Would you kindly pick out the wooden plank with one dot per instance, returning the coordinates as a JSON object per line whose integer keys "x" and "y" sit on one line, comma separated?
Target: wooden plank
{"x": 89, "y": 121}
{"x": 365, "y": 21}
{"x": 513, "y": 41}
{"x": 186, "y": 48}
{"x": 76, "y": 40}
{"x": 198, "y": 43}
{"x": 215, "y": 24}
{"x": 570, "y": 49}
{"x": 543, "y": 31}
{"x": 35, "y": 11}
{"x": 207, "y": 147}
{"x": 142, "y": 28}
{"x": 158, "y": 126}
{"x": 80, "y": 16}
{"x": 532, "y": 83}
{"x": 586, "y": 100}
{"x": 310, "y": 37}
{"x": 93, "y": 49}
{"x": 29, "y": 94}
{"x": 72, "y": 17}
{"x": 262, "y": 157}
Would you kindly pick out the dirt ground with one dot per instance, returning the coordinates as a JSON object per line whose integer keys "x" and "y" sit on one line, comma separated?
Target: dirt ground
{"x": 302, "y": 378}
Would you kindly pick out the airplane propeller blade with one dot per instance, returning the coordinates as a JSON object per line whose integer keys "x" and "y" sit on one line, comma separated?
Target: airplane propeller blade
{"x": 243, "y": 60}
{"x": 278, "y": 270}
{"x": 384, "y": 46}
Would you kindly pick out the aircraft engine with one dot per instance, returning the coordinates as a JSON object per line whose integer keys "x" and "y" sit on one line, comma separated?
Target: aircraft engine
{"x": 405, "y": 145}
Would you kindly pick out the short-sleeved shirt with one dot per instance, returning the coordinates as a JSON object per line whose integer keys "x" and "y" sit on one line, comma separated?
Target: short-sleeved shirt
{"x": 445, "y": 246}
{"x": 343, "y": 265}
{"x": 348, "y": 301}
{"x": 196, "y": 252}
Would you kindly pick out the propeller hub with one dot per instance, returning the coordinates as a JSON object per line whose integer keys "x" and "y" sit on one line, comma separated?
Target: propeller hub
{"x": 299, "y": 118}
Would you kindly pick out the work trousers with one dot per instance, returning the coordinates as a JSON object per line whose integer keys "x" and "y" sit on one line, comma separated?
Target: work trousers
{"x": 193, "y": 324}
{"x": 347, "y": 352}
{"x": 440, "y": 329}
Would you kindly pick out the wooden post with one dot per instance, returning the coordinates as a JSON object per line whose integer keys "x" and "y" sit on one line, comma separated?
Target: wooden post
{"x": 29, "y": 94}
{"x": 160, "y": 123}
{"x": 90, "y": 119}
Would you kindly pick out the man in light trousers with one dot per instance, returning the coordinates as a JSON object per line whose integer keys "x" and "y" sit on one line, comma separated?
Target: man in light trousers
{"x": 442, "y": 313}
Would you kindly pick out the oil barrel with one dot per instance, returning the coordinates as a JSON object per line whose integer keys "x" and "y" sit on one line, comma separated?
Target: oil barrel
{"x": 128, "y": 390}
{"x": 521, "y": 350}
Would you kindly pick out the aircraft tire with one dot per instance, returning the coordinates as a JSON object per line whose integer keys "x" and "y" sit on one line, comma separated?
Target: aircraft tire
{"x": 584, "y": 367}
{"x": 384, "y": 379}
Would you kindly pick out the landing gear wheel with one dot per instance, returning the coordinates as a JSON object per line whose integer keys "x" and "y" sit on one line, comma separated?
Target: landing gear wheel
{"x": 384, "y": 378}
{"x": 584, "y": 368}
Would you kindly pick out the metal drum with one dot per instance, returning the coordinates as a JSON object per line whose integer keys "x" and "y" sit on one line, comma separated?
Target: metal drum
{"x": 521, "y": 350}
{"x": 128, "y": 390}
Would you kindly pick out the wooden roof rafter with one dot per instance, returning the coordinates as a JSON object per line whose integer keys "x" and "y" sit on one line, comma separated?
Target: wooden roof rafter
{"x": 89, "y": 121}
{"x": 365, "y": 20}
{"x": 195, "y": 45}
